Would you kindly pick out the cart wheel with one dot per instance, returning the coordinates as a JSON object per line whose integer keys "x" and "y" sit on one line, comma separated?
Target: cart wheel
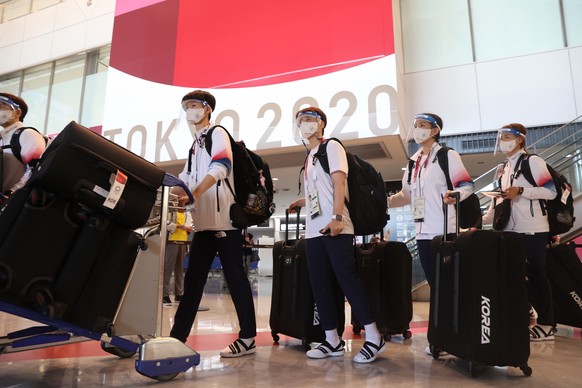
{"x": 526, "y": 369}
{"x": 117, "y": 351}
{"x": 434, "y": 351}
{"x": 407, "y": 334}
{"x": 305, "y": 344}
{"x": 356, "y": 329}
{"x": 275, "y": 337}
{"x": 472, "y": 369}
{"x": 167, "y": 377}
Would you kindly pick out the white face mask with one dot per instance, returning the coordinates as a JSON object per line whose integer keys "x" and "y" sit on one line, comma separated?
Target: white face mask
{"x": 5, "y": 115}
{"x": 507, "y": 146}
{"x": 307, "y": 129}
{"x": 195, "y": 114}
{"x": 421, "y": 134}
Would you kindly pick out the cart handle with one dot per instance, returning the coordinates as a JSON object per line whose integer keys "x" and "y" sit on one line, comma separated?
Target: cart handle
{"x": 171, "y": 180}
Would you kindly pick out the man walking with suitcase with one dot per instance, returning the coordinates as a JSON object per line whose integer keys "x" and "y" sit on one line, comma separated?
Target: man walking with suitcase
{"x": 329, "y": 235}
{"x": 213, "y": 231}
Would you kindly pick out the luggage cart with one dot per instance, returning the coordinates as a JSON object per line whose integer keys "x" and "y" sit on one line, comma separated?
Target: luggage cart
{"x": 137, "y": 325}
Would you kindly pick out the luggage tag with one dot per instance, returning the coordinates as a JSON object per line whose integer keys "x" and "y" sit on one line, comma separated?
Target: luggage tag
{"x": 565, "y": 195}
{"x": 117, "y": 188}
{"x": 418, "y": 210}
{"x": 314, "y": 210}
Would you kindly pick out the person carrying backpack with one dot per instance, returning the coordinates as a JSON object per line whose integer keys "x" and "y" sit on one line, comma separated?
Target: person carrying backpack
{"x": 21, "y": 146}
{"x": 329, "y": 238}
{"x": 425, "y": 188}
{"x": 519, "y": 210}
{"x": 213, "y": 230}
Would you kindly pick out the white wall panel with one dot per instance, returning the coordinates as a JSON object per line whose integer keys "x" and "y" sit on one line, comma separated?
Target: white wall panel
{"x": 36, "y": 51}
{"x": 68, "y": 14}
{"x": 68, "y": 41}
{"x": 451, "y": 93}
{"x": 99, "y": 31}
{"x": 532, "y": 90}
{"x": 10, "y": 56}
{"x": 39, "y": 23}
{"x": 11, "y": 32}
{"x": 576, "y": 61}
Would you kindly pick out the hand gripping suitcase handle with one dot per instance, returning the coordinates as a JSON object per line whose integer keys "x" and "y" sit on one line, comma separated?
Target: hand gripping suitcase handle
{"x": 298, "y": 211}
{"x": 457, "y": 196}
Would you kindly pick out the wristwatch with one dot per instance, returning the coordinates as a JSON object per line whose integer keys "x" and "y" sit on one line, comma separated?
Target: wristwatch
{"x": 337, "y": 217}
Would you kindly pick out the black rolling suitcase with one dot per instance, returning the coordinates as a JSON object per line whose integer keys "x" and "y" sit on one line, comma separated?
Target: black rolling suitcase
{"x": 293, "y": 310}
{"x": 386, "y": 270}
{"x": 85, "y": 167}
{"x": 479, "y": 303}
{"x": 564, "y": 270}
{"x": 38, "y": 230}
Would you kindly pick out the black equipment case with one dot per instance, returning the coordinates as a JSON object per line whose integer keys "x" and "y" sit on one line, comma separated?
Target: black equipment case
{"x": 86, "y": 167}
{"x": 386, "y": 270}
{"x": 293, "y": 309}
{"x": 479, "y": 303}
{"x": 564, "y": 270}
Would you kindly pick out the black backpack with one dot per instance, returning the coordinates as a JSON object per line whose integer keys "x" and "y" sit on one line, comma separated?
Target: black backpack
{"x": 253, "y": 185}
{"x": 368, "y": 205}
{"x": 470, "y": 215}
{"x": 560, "y": 210}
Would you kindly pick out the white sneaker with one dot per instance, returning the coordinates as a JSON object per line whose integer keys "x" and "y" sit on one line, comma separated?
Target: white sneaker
{"x": 541, "y": 333}
{"x": 370, "y": 351}
{"x": 325, "y": 349}
{"x": 238, "y": 349}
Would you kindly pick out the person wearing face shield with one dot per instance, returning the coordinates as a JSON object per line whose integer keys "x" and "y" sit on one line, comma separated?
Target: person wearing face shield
{"x": 16, "y": 168}
{"x": 427, "y": 188}
{"x": 329, "y": 237}
{"x": 213, "y": 231}
{"x": 527, "y": 217}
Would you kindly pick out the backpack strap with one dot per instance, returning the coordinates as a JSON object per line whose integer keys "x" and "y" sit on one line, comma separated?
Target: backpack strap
{"x": 15, "y": 142}
{"x": 442, "y": 156}
{"x": 410, "y": 168}
{"x": 522, "y": 167}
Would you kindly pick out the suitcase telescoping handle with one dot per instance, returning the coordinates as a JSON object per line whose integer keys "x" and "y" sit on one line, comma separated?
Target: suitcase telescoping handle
{"x": 298, "y": 211}
{"x": 457, "y": 196}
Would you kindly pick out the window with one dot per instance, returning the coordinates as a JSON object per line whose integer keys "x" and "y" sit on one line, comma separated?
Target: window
{"x": 435, "y": 34}
{"x": 35, "y": 91}
{"x": 65, "y": 96}
{"x": 572, "y": 13}
{"x": 95, "y": 84}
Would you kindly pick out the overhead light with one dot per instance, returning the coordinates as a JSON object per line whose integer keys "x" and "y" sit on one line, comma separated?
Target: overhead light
{"x": 569, "y": 155}
{"x": 275, "y": 179}
{"x": 404, "y": 168}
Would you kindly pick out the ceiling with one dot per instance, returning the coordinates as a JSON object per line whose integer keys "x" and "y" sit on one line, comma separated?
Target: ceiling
{"x": 386, "y": 153}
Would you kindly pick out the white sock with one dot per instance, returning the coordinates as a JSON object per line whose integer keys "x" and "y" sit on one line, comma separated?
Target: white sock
{"x": 247, "y": 341}
{"x": 332, "y": 337}
{"x": 372, "y": 333}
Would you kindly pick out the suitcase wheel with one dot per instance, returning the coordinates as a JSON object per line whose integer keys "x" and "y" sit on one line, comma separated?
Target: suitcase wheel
{"x": 526, "y": 369}
{"x": 356, "y": 329}
{"x": 275, "y": 337}
{"x": 407, "y": 334}
{"x": 387, "y": 336}
{"x": 434, "y": 351}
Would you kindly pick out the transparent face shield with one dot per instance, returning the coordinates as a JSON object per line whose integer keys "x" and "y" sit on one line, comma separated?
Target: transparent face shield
{"x": 506, "y": 134}
{"x": 307, "y": 116}
{"x": 421, "y": 128}
{"x": 192, "y": 112}
{"x": 7, "y": 108}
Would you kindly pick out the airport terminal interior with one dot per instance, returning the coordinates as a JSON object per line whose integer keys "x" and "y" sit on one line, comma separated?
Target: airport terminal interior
{"x": 405, "y": 362}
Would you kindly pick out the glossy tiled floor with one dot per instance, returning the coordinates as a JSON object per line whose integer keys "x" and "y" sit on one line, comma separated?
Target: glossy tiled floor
{"x": 405, "y": 363}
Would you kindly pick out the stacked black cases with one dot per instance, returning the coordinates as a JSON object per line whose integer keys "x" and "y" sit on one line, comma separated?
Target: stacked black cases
{"x": 565, "y": 273}
{"x": 386, "y": 270}
{"x": 36, "y": 233}
{"x": 479, "y": 304}
{"x": 81, "y": 165}
{"x": 293, "y": 310}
